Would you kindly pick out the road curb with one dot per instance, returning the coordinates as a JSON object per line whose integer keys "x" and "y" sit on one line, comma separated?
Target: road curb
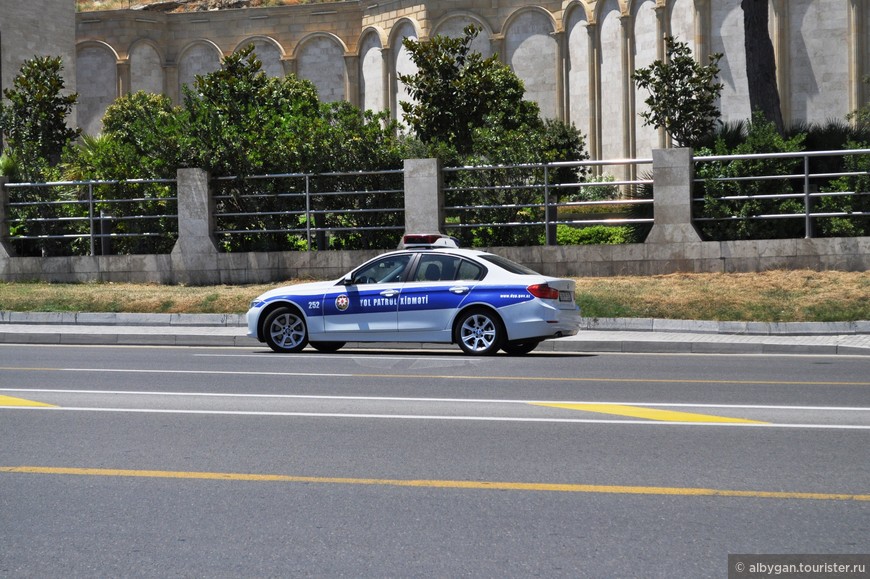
{"x": 598, "y": 324}
{"x": 597, "y": 335}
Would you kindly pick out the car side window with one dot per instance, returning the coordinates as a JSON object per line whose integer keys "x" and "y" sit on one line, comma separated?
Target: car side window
{"x": 386, "y": 270}
{"x": 435, "y": 267}
{"x": 470, "y": 271}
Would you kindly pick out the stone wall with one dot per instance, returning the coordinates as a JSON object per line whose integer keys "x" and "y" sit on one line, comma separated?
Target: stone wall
{"x": 673, "y": 245}
{"x": 37, "y": 28}
{"x": 576, "y": 57}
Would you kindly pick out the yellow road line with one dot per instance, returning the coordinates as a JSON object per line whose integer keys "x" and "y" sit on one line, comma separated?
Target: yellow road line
{"x": 11, "y": 401}
{"x": 650, "y": 413}
{"x": 442, "y": 484}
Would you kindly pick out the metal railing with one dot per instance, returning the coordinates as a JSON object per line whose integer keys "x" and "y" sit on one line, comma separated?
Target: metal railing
{"x": 363, "y": 208}
{"x": 541, "y": 197}
{"x": 793, "y": 178}
{"x": 91, "y": 210}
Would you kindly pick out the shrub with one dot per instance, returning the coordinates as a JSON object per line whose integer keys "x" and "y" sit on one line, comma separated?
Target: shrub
{"x": 593, "y": 235}
{"x": 736, "y": 217}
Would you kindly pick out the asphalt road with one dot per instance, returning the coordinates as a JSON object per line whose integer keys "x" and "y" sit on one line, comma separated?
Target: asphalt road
{"x": 198, "y": 462}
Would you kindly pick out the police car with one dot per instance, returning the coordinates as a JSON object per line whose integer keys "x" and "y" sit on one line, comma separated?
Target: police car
{"x": 430, "y": 291}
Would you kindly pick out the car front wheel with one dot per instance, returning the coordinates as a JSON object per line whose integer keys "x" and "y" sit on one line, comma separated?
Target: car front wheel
{"x": 479, "y": 332}
{"x": 285, "y": 331}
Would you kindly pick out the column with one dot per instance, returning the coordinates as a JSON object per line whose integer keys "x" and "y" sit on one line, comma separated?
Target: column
{"x": 594, "y": 91}
{"x": 781, "y": 49}
{"x": 124, "y": 81}
{"x": 351, "y": 75}
{"x": 561, "y": 63}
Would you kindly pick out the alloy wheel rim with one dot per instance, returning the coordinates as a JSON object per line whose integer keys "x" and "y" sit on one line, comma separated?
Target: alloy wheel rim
{"x": 288, "y": 331}
{"x": 478, "y": 333}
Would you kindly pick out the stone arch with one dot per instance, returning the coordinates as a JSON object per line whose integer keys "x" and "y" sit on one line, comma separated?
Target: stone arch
{"x": 198, "y": 58}
{"x": 579, "y": 85}
{"x": 146, "y": 68}
{"x": 97, "y": 83}
{"x": 401, "y": 63}
{"x": 681, "y": 22}
{"x": 532, "y": 52}
{"x": 320, "y": 59}
{"x": 612, "y": 111}
{"x": 373, "y": 93}
{"x": 604, "y": 7}
{"x": 817, "y": 61}
{"x": 269, "y": 52}
{"x": 645, "y": 44}
{"x": 727, "y": 38}
{"x": 453, "y": 24}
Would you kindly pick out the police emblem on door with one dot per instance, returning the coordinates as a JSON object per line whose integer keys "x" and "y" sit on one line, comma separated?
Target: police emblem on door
{"x": 342, "y": 302}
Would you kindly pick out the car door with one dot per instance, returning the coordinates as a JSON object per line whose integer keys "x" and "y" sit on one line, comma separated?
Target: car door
{"x": 435, "y": 290}
{"x": 368, "y": 301}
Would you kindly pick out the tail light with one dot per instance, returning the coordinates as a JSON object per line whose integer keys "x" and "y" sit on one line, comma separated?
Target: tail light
{"x": 543, "y": 291}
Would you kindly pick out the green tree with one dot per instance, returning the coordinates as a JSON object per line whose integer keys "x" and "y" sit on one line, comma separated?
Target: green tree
{"x": 683, "y": 94}
{"x": 242, "y": 122}
{"x": 351, "y": 144}
{"x": 457, "y": 91}
{"x": 153, "y": 130}
{"x": 34, "y": 121}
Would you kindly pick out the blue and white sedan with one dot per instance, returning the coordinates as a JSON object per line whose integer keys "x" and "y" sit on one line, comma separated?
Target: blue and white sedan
{"x": 429, "y": 291}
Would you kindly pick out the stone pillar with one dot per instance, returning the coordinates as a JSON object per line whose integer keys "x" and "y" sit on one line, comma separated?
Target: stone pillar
{"x": 171, "y": 85}
{"x": 5, "y": 250}
{"x": 594, "y": 137}
{"x": 857, "y": 50}
{"x": 424, "y": 196}
{"x": 673, "y": 172}
{"x": 781, "y": 38}
{"x": 289, "y": 64}
{"x": 352, "y": 74}
{"x": 561, "y": 74}
{"x": 195, "y": 255}
{"x": 124, "y": 78}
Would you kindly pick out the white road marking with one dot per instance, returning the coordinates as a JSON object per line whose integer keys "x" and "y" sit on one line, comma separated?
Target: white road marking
{"x": 442, "y": 417}
{"x": 443, "y": 400}
{"x": 346, "y": 415}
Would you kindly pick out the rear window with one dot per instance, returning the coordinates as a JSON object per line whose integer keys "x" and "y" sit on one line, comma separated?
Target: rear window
{"x": 508, "y": 265}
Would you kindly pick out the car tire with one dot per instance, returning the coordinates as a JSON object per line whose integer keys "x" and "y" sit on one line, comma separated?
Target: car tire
{"x": 285, "y": 330}
{"x": 327, "y": 346}
{"x": 519, "y": 348}
{"x": 479, "y": 332}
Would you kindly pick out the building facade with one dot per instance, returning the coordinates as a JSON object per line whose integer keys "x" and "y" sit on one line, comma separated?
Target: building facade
{"x": 37, "y": 28}
{"x": 575, "y": 56}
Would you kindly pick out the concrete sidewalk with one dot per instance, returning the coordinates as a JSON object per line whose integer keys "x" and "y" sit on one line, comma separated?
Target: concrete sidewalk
{"x": 597, "y": 335}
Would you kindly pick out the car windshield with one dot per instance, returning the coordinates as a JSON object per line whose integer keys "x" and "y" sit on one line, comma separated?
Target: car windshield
{"x": 388, "y": 269}
{"x": 508, "y": 265}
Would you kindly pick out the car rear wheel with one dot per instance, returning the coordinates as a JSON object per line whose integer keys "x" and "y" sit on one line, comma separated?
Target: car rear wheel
{"x": 285, "y": 331}
{"x": 479, "y": 332}
{"x": 327, "y": 346}
{"x": 519, "y": 348}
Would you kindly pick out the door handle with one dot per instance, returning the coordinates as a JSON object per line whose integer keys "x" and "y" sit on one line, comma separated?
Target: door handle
{"x": 390, "y": 293}
{"x": 459, "y": 289}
